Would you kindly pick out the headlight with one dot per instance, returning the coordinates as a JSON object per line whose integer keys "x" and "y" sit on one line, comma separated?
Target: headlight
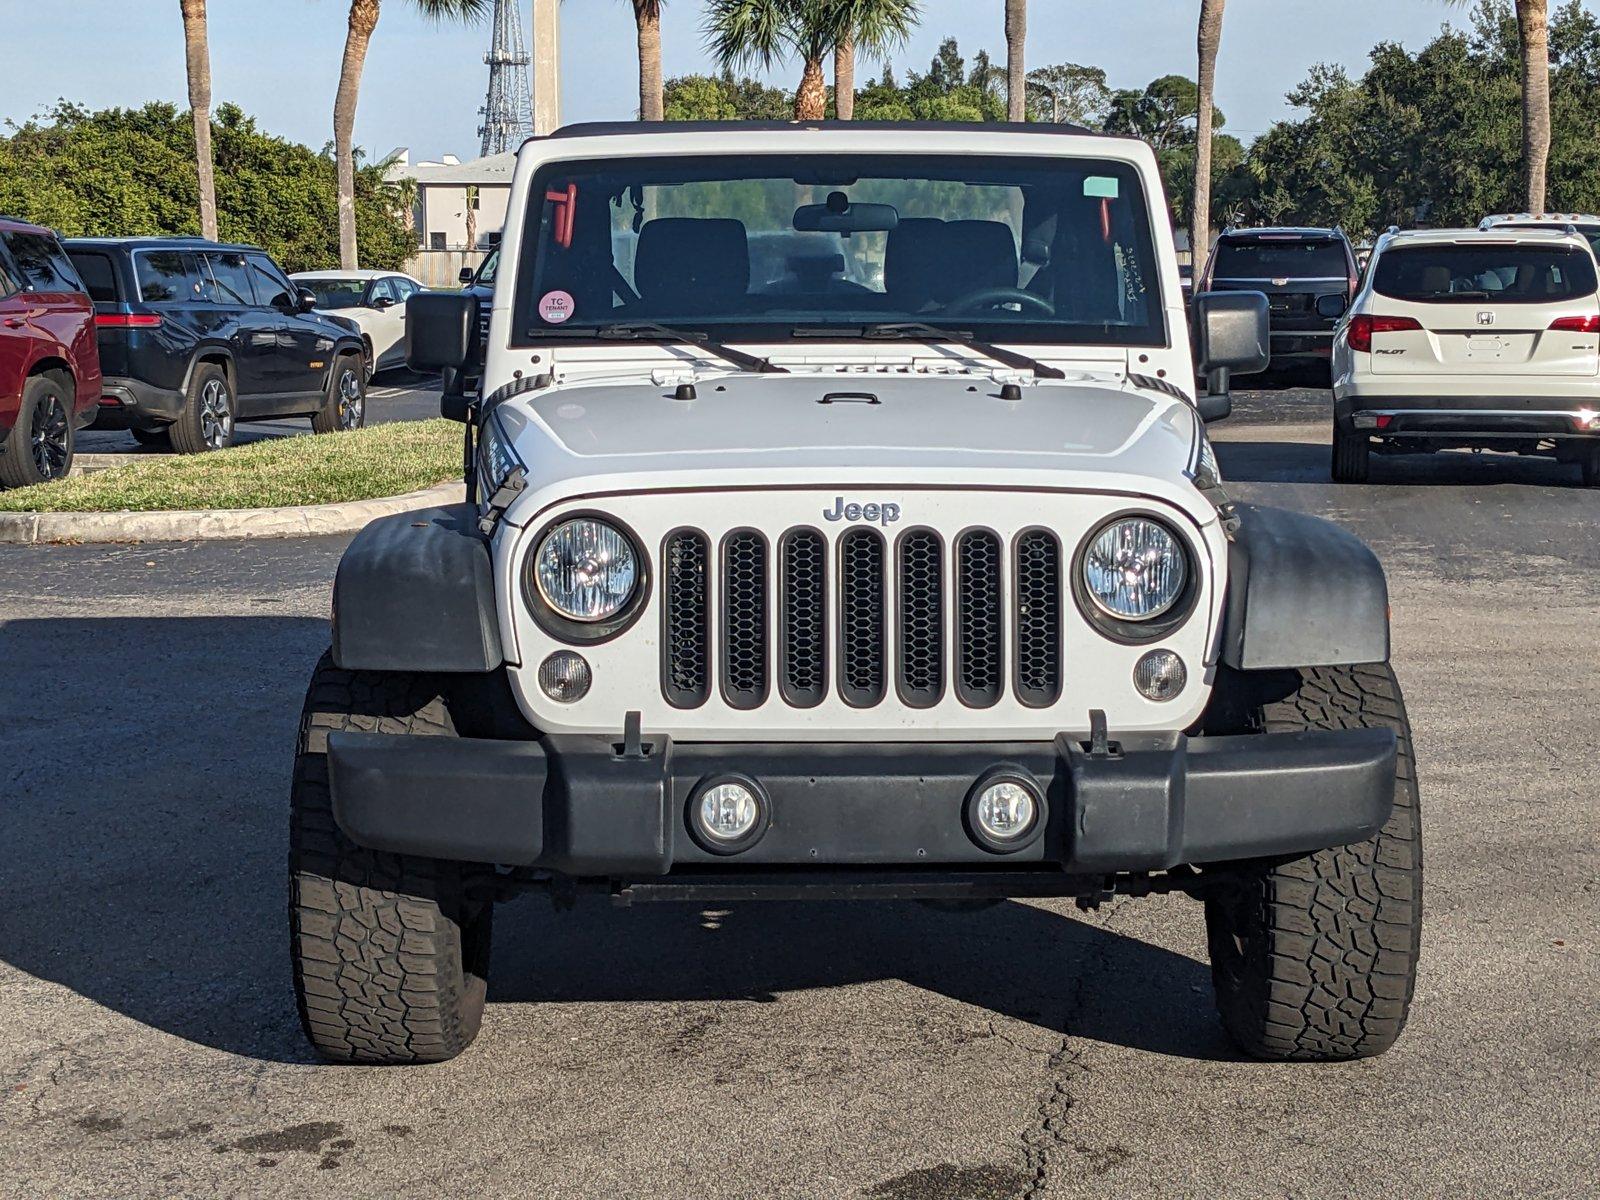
{"x": 1135, "y": 569}
{"x": 586, "y": 570}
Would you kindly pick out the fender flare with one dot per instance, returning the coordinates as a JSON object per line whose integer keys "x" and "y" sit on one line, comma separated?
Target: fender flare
{"x": 415, "y": 592}
{"x": 204, "y": 352}
{"x": 1302, "y": 592}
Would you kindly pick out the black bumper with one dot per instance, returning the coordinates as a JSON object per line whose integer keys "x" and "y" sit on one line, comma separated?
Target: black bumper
{"x": 133, "y": 402}
{"x": 584, "y": 807}
{"x": 1301, "y": 343}
{"x": 1468, "y": 417}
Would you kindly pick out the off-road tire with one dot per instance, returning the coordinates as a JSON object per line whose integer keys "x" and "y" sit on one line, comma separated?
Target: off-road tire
{"x": 201, "y": 427}
{"x": 39, "y": 447}
{"x": 345, "y": 404}
{"x": 1316, "y": 959}
{"x": 390, "y": 951}
{"x": 154, "y": 439}
{"x": 1352, "y": 456}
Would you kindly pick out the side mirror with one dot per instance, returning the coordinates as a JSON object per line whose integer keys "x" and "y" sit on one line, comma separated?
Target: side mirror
{"x": 441, "y": 331}
{"x": 1332, "y": 307}
{"x": 466, "y": 275}
{"x": 305, "y": 300}
{"x": 383, "y": 302}
{"x": 1231, "y": 336}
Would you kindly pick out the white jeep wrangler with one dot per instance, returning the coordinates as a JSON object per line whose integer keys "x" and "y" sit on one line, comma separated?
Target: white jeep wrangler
{"x": 841, "y": 523}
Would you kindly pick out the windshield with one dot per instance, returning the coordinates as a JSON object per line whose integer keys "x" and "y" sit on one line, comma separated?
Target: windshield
{"x": 1292, "y": 259}
{"x": 1507, "y": 273}
{"x": 1047, "y": 250}
{"x": 335, "y": 293}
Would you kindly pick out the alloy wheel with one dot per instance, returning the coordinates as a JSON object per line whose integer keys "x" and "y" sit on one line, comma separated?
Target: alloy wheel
{"x": 352, "y": 401}
{"x": 51, "y": 435}
{"x": 216, "y": 414}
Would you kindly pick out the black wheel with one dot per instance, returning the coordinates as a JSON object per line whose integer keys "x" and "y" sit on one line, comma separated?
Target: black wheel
{"x": 209, "y": 413}
{"x": 390, "y": 953}
{"x": 1352, "y": 456}
{"x": 346, "y": 404}
{"x": 154, "y": 439}
{"x": 39, "y": 446}
{"x": 1316, "y": 959}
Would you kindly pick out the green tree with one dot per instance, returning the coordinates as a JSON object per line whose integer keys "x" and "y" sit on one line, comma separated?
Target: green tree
{"x": 362, "y": 22}
{"x": 1533, "y": 37}
{"x": 1069, "y": 93}
{"x": 871, "y": 27}
{"x": 724, "y": 98}
{"x": 127, "y": 172}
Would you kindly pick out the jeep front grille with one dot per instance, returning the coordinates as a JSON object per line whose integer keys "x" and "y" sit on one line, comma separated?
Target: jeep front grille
{"x": 950, "y": 606}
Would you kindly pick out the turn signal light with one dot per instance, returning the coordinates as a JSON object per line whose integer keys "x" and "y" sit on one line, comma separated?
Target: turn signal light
{"x": 1359, "y": 334}
{"x": 127, "y": 320}
{"x": 1576, "y": 324}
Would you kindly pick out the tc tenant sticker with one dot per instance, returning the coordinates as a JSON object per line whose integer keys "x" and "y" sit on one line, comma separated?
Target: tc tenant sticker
{"x": 555, "y": 307}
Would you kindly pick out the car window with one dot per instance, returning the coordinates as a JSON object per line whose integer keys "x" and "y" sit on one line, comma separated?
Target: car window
{"x": 485, "y": 276}
{"x": 41, "y": 262}
{"x": 1505, "y": 274}
{"x": 1300, "y": 258}
{"x": 230, "y": 279}
{"x": 273, "y": 290}
{"x": 166, "y": 276}
{"x": 335, "y": 293}
{"x": 10, "y": 281}
{"x": 382, "y": 289}
{"x": 404, "y": 289}
{"x": 98, "y": 274}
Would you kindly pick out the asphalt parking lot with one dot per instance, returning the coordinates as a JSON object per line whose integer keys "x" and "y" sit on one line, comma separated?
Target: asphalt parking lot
{"x": 149, "y": 1047}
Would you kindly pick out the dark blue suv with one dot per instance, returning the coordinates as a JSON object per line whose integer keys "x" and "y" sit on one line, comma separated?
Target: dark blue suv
{"x": 196, "y": 336}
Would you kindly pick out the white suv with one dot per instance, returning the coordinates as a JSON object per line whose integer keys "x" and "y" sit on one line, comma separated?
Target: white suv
{"x": 1586, "y": 224}
{"x": 899, "y": 571}
{"x": 1467, "y": 338}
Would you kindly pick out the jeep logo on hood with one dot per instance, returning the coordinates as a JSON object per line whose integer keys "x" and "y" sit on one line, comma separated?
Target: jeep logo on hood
{"x": 882, "y": 514}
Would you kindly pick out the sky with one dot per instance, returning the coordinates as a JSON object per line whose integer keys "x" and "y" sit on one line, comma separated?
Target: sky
{"x": 279, "y": 59}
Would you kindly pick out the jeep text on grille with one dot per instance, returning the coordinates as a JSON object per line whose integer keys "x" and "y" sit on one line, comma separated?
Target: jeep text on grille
{"x": 842, "y": 524}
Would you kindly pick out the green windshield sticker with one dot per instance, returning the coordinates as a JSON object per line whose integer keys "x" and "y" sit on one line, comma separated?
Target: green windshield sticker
{"x": 1100, "y": 187}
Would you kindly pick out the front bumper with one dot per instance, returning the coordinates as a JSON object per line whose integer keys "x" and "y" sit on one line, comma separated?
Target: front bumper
{"x": 590, "y": 808}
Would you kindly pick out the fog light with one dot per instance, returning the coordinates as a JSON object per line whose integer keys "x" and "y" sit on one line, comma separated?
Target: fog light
{"x": 1160, "y": 675}
{"x": 565, "y": 677}
{"x": 1004, "y": 812}
{"x": 728, "y": 815}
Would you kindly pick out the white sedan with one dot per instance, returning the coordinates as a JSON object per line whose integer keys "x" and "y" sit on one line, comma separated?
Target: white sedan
{"x": 374, "y": 300}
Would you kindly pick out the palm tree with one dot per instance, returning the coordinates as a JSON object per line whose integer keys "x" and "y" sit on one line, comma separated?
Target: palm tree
{"x": 749, "y": 32}
{"x": 197, "y": 54}
{"x": 647, "y": 16}
{"x": 363, "y": 20}
{"x": 1209, "y": 40}
{"x": 1016, "y": 69}
{"x": 873, "y": 27}
{"x": 1533, "y": 31}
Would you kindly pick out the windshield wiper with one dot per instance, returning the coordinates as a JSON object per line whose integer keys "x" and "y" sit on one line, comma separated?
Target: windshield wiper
{"x": 637, "y": 330}
{"x": 916, "y": 331}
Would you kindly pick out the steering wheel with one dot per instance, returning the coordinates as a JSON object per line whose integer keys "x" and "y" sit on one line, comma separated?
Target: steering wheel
{"x": 996, "y": 296}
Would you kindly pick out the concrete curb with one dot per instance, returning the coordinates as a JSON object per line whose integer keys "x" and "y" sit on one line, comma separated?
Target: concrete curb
{"x": 202, "y": 524}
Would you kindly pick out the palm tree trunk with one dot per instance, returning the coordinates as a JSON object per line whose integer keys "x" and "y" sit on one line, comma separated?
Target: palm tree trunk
{"x": 363, "y": 20}
{"x": 844, "y": 79}
{"x": 197, "y": 55}
{"x": 1016, "y": 69}
{"x": 1533, "y": 25}
{"x": 1200, "y": 214}
{"x": 652, "y": 104}
{"x": 811, "y": 101}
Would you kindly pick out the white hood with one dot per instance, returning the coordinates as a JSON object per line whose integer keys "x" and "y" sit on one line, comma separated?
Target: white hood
{"x": 1088, "y": 432}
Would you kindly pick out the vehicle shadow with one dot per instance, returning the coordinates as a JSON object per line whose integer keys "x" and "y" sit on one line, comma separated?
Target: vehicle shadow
{"x": 144, "y": 835}
{"x": 1247, "y": 461}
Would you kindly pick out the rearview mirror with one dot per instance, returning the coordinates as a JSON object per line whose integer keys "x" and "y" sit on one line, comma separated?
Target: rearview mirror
{"x": 838, "y": 215}
{"x": 1332, "y": 307}
{"x": 1231, "y": 337}
{"x": 441, "y": 330}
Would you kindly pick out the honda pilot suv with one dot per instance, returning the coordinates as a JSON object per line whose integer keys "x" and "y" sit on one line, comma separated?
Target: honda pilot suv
{"x": 49, "y": 370}
{"x": 1477, "y": 339}
{"x": 196, "y": 337}
{"x": 1308, "y": 276}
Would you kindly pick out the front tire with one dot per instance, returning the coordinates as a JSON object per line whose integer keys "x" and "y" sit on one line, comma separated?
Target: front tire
{"x": 1352, "y": 456}
{"x": 390, "y": 951}
{"x": 1316, "y": 959}
{"x": 346, "y": 404}
{"x": 39, "y": 447}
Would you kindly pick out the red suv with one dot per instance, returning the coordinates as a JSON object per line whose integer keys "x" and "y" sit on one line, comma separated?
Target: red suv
{"x": 49, "y": 363}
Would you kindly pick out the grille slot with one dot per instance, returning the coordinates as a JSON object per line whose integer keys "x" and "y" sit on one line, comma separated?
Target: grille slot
{"x": 980, "y": 623}
{"x": 1038, "y": 605}
{"x": 802, "y": 617}
{"x": 744, "y": 619}
{"x": 920, "y": 612}
{"x": 862, "y": 634}
{"x": 685, "y": 619}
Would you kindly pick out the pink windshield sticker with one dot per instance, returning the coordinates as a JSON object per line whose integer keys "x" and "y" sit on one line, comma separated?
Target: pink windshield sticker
{"x": 555, "y": 307}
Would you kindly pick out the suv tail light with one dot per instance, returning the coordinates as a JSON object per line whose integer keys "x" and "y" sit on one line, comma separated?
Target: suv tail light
{"x": 1576, "y": 324}
{"x": 1359, "y": 335}
{"x": 127, "y": 320}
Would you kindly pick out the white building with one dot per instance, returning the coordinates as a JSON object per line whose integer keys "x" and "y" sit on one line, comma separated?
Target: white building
{"x": 459, "y": 213}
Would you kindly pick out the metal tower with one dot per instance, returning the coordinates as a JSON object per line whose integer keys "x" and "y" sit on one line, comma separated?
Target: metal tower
{"x": 506, "y": 113}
